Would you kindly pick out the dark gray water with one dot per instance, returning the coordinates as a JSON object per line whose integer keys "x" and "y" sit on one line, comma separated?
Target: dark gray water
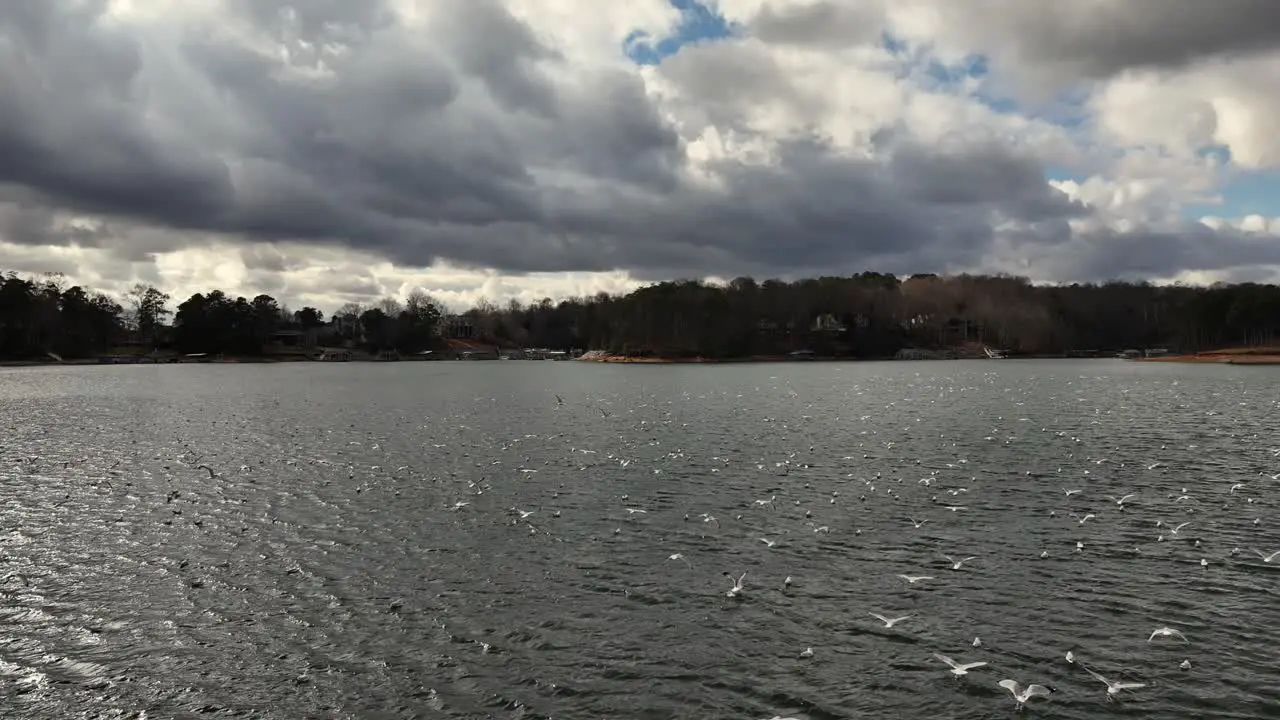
{"x": 324, "y": 572}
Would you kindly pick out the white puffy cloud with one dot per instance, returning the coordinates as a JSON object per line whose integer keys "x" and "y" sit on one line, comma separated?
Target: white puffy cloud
{"x": 326, "y": 151}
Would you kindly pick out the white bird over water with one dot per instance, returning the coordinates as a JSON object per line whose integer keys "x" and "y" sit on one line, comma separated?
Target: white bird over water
{"x": 955, "y": 564}
{"x": 913, "y": 579}
{"x": 958, "y": 669}
{"x": 1114, "y": 687}
{"x": 918, "y": 524}
{"x": 1268, "y": 558}
{"x": 1022, "y": 694}
{"x": 1121, "y": 500}
{"x": 1167, "y": 632}
{"x": 737, "y": 585}
{"x": 1069, "y": 493}
{"x": 889, "y": 622}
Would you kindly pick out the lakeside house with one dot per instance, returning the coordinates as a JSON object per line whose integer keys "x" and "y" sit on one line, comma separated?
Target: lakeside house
{"x": 457, "y": 327}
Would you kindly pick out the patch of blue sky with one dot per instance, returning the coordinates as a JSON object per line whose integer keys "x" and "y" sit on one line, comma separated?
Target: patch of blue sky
{"x": 972, "y": 74}
{"x": 698, "y": 23}
{"x": 1063, "y": 174}
{"x": 1244, "y": 193}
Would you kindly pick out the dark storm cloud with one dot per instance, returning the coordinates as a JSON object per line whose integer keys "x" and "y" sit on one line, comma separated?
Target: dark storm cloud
{"x": 1150, "y": 253}
{"x": 1095, "y": 39}
{"x": 69, "y": 127}
{"x": 980, "y": 174}
{"x": 830, "y": 24}
{"x": 1105, "y": 39}
{"x": 472, "y": 141}
{"x": 487, "y": 42}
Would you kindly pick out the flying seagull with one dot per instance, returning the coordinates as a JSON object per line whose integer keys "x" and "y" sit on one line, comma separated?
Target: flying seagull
{"x": 958, "y": 669}
{"x": 913, "y": 579}
{"x": 955, "y": 564}
{"x": 1022, "y": 694}
{"x": 1114, "y": 687}
{"x": 889, "y": 622}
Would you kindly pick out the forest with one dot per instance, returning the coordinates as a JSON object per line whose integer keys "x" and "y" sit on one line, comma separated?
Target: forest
{"x": 869, "y": 315}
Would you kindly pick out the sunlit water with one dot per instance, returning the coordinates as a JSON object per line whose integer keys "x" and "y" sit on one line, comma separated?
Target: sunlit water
{"x": 324, "y": 571}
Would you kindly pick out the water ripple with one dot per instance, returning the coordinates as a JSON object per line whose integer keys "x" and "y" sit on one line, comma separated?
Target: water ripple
{"x": 326, "y": 568}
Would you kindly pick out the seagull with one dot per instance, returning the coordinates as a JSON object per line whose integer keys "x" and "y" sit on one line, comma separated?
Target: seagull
{"x": 1086, "y": 518}
{"x": 1174, "y": 531}
{"x": 889, "y": 622}
{"x": 1069, "y": 493}
{"x": 913, "y": 579}
{"x": 633, "y": 511}
{"x": 679, "y": 556}
{"x": 1114, "y": 687}
{"x": 1120, "y": 501}
{"x": 1268, "y": 558}
{"x": 958, "y": 669}
{"x": 1021, "y": 695}
{"x": 1167, "y": 632}
{"x": 955, "y": 564}
{"x": 768, "y": 543}
{"x": 918, "y": 524}
{"x": 737, "y": 585}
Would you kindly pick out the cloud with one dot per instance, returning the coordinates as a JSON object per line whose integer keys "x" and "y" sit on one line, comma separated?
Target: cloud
{"x": 290, "y": 147}
{"x": 1101, "y": 38}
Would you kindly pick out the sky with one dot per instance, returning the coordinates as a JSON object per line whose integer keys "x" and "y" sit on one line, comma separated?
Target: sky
{"x": 329, "y": 151}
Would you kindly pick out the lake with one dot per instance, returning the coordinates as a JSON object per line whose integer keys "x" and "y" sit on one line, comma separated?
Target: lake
{"x": 560, "y": 540}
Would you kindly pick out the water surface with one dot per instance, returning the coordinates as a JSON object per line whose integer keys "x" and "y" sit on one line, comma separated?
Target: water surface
{"x": 329, "y": 567}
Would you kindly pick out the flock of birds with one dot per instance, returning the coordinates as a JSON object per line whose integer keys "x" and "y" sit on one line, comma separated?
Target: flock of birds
{"x": 921, "y": 496}
{"x": 1162, "y": 496}
{"x": 1142, "y": 503}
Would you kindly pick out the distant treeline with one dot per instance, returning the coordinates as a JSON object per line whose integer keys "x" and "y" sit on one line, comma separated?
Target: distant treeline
{"x": 876, "y": 315}
{"x": 865, "y": 315}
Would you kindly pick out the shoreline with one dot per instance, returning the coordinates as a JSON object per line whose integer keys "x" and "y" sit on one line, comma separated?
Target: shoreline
{"x": 602, "y": 359}
{"x": 626, "y": 360}
{"x": 1216, "y": 359}
{"x": 1228, "y": 356}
